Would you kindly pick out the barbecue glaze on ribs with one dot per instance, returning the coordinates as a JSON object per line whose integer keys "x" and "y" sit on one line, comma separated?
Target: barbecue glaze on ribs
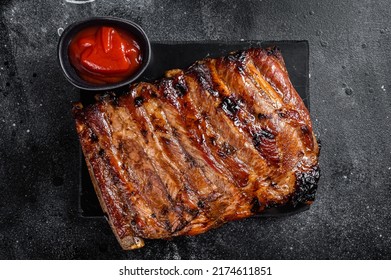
{"x": 223, "y": 140}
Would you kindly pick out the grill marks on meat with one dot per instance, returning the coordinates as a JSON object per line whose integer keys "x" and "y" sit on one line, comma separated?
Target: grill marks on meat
{"x": 220, "y": 141}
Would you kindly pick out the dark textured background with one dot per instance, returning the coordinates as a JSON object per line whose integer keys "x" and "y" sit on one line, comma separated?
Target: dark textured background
{"x": 350, "y": 107}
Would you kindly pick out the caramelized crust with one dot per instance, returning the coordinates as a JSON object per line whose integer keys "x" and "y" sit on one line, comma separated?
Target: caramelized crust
{"x": 220, "y": 141}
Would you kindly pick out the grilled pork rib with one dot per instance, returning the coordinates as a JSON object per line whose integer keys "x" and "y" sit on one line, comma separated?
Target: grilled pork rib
{"x": 220, "y": 141}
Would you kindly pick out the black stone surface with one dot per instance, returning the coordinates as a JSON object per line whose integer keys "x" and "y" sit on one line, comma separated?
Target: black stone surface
{"x": 350, "y": 108}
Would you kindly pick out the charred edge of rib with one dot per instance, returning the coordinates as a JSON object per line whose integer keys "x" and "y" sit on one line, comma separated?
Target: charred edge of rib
{"x": 306, "y": 186}
{"x": 262, "y": 116}
{"x": 230, "y": 106}
{"x": 213, "y": 141}
{"x": 189, "y": 159}
{"x": 305, "y": 129}
{"x": 105, "y": 97}
{"x": 115, "y": 101}
{"x": 273, "y": 51}
{"x": 165, "y": 140}
{"x": 201, "y": 204}
{"x": 239, "y": 59}
{"x": 239, "y": 56}
{"x": 138, "y": 101}
{"x": 282, "y": 114}
{"x": 101, "y": 152}
{"x": 77, "y": 109}
{"x": 174, "y": 132}
{"x": 260, "y": 136}
{"x": 255, "y": 205}
{"x": 319, "y": 144}
{"x": 226, "y": 150}
{"x": 203, "y": 76}
{"x": 94, "y": 138}
{"x": 144, "y": 132}
{"x": 193, "y": 212}
{"x": 181, "y": 87}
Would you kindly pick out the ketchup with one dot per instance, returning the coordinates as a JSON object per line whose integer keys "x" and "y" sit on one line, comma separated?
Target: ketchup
{"x": 104, "y": 55}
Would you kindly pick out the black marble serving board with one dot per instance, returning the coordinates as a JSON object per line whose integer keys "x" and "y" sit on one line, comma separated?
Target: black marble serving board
{"x": 170, "y": 55}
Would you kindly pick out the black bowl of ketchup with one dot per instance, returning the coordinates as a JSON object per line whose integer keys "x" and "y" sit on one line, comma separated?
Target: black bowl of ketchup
{"x": 103, "y": 53}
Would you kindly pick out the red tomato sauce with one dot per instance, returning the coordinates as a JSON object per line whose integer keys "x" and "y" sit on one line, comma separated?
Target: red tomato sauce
{"x": 104, "y": 55}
